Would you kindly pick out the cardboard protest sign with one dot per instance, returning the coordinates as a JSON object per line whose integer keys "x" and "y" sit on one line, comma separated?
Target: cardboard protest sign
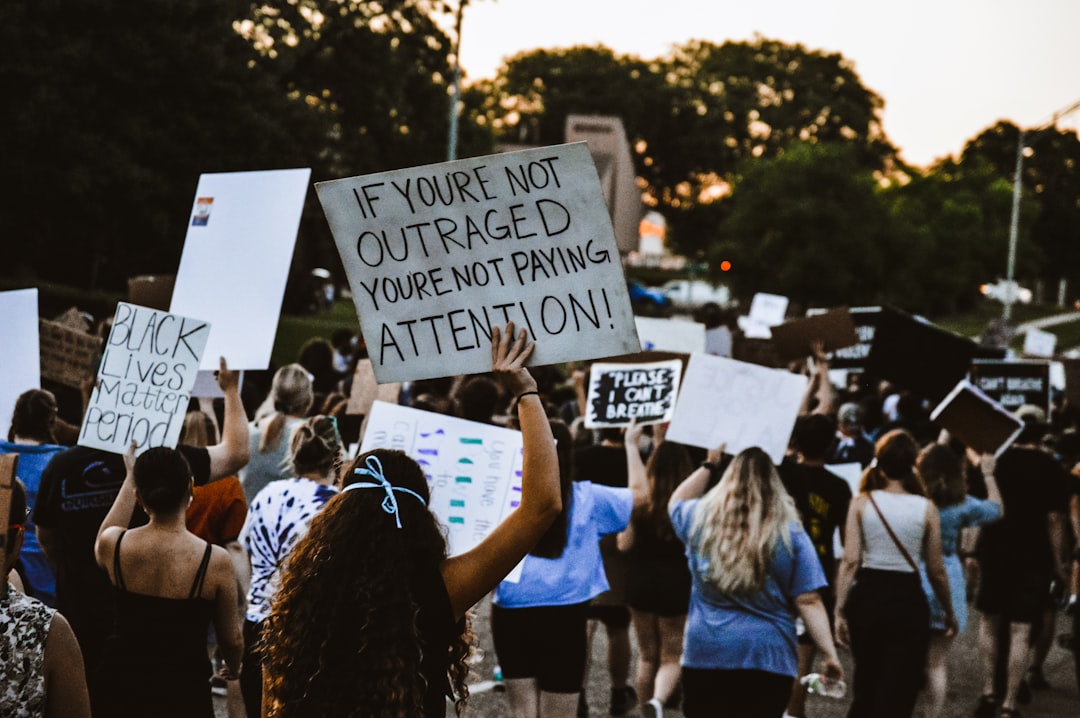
{"x": 670, "y": 335}
{"x": 724, "y": 401}
{"x": 8, "y": 464}
{"x": 918, "y": 356}
{"x": 976, "y": 420}
{"x": 834, "y": 328}
{"x": 20, "y": 362}
{"x": 1013, "y": 383}
{"x": 766, "y": 311}
{"x": 236, "y": 259}
{"x": 68, "y": 356}
{"x": 1039, "y": 343}
{"x": 619, "y": 393}
{"x": 365, "y": 390}
{"x": 473, "y": 469}
{"x": 854, "y": 357}
{"x": 147, "y": 372}
{"x": 437, "y": 255}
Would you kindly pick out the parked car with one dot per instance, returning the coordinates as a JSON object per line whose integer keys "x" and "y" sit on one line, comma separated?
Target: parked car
{"x": 693, "y": 293}
{"x": 648, "y": 301}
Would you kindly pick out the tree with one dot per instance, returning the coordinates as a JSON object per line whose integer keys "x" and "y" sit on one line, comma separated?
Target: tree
{"x": 114, "y": 112}
{"x": 1051, "y": 181}
{"x": 808, "y": 224}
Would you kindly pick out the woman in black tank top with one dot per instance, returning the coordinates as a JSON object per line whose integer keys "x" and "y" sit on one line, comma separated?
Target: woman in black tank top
{"x": 169, "y": 587}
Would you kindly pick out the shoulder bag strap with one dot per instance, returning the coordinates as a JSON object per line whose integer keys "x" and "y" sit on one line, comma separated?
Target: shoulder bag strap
{"x": 892, "y": 535}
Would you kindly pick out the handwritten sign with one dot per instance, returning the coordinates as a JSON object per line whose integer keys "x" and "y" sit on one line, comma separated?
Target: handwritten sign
{"x": 619, "y": 393}
{"x": 724, "y": 401}
{"x": 68, "y": 356}
{"x": 976, "y": 420}
{"x": 144, "y": 383}
{"x": 473, "y": 469}
{"x": 437, "y": 255}
{"x": 1013, "y": 384}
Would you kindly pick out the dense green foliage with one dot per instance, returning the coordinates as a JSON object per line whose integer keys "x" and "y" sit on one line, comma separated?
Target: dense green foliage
{"x": 767, "y": 154}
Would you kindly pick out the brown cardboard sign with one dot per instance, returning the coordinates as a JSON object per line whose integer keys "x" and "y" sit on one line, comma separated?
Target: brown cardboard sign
{"x": 8, "y": 463}
{"x": 68, "y": 356}
{"x": 976, "y": 420}
{"x": 1072, "y": 380}
{"x": 834, "y": 328}
{"x": 365, "y": 390}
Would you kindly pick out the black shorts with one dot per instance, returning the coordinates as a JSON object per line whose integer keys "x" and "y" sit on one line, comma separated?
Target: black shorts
{"x": 1017, "y": 595}
{"x": 612, "y": 616}
{"x": 545, "y": 642}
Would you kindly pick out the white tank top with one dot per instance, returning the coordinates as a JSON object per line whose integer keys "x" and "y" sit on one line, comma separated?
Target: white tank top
{"x": 906, "y": 514}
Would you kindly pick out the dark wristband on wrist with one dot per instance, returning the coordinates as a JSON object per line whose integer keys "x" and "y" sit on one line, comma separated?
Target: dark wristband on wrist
{"x": 710, "y": 466}
{"x": 524, "y": 394}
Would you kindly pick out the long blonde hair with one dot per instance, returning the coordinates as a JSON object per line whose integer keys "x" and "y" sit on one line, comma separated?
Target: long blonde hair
{"x": 739, "y": 521}
{"x": 291, "y": 394}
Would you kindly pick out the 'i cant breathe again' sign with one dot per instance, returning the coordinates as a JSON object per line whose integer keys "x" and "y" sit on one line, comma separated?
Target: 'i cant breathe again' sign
{"x": 439, "y": 254}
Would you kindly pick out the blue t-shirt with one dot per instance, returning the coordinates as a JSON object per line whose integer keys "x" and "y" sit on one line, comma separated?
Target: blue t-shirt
{"x": 577, "y": 575}
{"x": 33, "y": 458}
{"x": 754, "y": 632}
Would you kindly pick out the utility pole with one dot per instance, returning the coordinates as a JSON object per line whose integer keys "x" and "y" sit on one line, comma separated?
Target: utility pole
{"x": 1014, "y": 219}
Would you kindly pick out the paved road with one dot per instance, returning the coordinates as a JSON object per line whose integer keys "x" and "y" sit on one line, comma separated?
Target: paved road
{"x": 1061, "y": 701}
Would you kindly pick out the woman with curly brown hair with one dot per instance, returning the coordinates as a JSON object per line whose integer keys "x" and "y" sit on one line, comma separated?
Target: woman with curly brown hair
{"x": 369, "y": 620}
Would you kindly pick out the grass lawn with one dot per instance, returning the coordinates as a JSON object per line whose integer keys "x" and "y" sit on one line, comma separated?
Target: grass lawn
{"x": 294, "y": 330}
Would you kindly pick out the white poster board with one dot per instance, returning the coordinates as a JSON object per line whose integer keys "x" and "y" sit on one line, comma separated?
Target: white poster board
{"x": 851, "y": 473}
{"x": 473, "y": 469}
{"x": 236, "y": 261}
{"x": 144, "y": 383}
{"x": 20, "y": 361}
{"x": 619, "y": 393}
{"x": 766, "y": 311}
{"x": 681, "y": 336}
{"x": 437, "y": 255}
{"x": 724, "y": 401}
{"x": 1039, "y": 343}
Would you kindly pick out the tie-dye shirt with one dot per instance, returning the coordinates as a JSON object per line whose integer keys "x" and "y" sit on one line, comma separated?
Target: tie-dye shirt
{"x": 277, "y": 519}
{"x": 24, "y": 628}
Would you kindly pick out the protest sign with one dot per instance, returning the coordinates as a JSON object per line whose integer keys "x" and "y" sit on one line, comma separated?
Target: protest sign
{"x": 236, "y": 260}
{"x": 437, "y": 255}
{"x": 854, "y": 357}
{"x": 144, "y": 383}
{"x": 834, "y": 328}
{"x": 976, "y": 420}
{"x": 1071, "y": 369}
{"x": 670, "y": 335}
{"x": 68, "y": 356}
{"x": 20, "y": 362}
{"x": 1039, "y": 343}
{"x": 619, "y": 393}
{"x": 473, "y": 469}
{"x": 850, "y": 473}
{"x": 916, "y": 355}
{"x": 766, "y": 311}
{"x": 365, "y": 390}
{"x": 8, "y": 463}
{"x": 1013, "y": 383}
{"x": 724, "y": 401}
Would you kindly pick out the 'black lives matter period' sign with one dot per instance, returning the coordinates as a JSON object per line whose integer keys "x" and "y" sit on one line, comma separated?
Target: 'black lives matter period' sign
{"x": 437, "y": 255}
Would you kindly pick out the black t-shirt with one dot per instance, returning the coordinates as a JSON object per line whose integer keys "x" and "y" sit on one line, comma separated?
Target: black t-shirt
{"x": 78, "y": 487}
{"x": 822, "y": 499}
{"x": 601, "y": 465}
{"x": 1033, "y": 484}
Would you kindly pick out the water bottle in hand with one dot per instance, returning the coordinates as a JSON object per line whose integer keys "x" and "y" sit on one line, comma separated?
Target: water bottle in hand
{"x": 819, "y": 684}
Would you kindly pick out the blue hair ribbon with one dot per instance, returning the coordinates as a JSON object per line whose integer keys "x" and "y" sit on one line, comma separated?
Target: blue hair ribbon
{"x": 374, "y": 469}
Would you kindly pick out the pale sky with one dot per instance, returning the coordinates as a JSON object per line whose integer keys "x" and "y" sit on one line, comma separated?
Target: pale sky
{"x": 946, "y": 69}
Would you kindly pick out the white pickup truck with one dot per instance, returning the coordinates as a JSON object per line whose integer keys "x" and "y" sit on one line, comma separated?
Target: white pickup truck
{"x": 692, "y": 293}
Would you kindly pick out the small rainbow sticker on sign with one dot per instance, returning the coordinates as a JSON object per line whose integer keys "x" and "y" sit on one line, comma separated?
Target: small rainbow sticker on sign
{"x": 201, "y": 217}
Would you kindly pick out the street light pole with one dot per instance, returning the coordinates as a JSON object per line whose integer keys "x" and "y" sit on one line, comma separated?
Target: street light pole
{"x": 455, "y": 92}
{"x": 1014, "y": 230}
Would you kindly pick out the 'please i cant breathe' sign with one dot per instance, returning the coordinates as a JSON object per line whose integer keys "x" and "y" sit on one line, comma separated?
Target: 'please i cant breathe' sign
{"x": 439, "y": 254}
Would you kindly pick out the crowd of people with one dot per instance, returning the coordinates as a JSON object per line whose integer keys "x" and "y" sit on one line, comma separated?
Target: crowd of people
{"x": 260, "y": 559}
